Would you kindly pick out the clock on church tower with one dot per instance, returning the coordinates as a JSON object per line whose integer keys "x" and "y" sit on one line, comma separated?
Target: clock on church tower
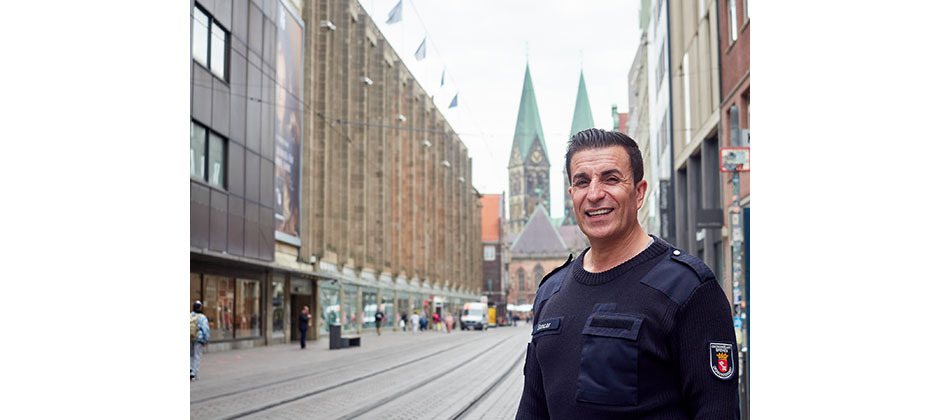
{"x": 536, "y": 156}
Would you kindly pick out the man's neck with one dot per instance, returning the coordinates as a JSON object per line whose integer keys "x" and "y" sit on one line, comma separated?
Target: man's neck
{"x": 606, "y": 255}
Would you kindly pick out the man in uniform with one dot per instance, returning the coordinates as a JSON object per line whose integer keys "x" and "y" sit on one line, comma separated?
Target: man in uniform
{"x": 632, "y": 328}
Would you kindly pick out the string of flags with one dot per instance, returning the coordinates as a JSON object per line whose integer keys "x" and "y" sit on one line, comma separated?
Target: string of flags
{"x": 422, "y": 50}
{"x": 396, "y": 15}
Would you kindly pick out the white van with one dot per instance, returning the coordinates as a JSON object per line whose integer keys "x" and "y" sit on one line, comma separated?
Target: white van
{"x": 474, "y": 316}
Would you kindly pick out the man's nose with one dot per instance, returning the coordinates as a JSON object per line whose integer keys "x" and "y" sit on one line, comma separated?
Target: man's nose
{"x": 595, "y": 191}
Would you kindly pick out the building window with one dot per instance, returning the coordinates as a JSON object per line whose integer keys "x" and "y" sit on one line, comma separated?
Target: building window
{"x": 744, "y": 9}
{"x": 206, "y": 155}
{"x": 489, "y": 253}
{"x": 388, "y": 307}
{"x": 277, "y": 304}
{"x": 538, "y": 273}
{"x": 663, "y": 136}
{"x": 350, "y": 310}
{"x": 688, "y": 104}
{"x": 210, "y": 42}
{"x": 219, "y": 306}
{"x": 329, "y": 306}
{"x": 733, "y": 20}
{"x": 370, "y": 302}
{"x": 248, "y": 309}
{"x": 661, "y": 70}
{"x": 489, "y": 284}
{"x": 195, "y": 289}
{"x": 521, "y": 275}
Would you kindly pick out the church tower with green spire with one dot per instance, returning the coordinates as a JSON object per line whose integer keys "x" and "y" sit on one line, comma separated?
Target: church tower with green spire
{"x": 528, "y": 161}
{"x": 582, "y": 120}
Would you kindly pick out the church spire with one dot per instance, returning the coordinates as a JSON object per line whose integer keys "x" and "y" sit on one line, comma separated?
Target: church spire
{"x": 583, "y": 118}
{"x": 528, "y": 123}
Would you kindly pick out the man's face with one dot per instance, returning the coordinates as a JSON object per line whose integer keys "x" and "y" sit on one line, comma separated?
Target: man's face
{"x": 605, "y": 198}
{"x": 306, "y": 309}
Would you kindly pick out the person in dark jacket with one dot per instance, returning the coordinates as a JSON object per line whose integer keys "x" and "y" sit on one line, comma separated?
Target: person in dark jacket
{"x": 379, "y": 319}
{"x": 303, "y": 321}
{"x": 623, "y": 330}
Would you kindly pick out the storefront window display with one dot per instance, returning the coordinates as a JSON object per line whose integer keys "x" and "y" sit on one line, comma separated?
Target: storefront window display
{"x": 370, "y": 303}
{"x": 248, "y": 309}
{"x": 329, "y": 306}
{"x": 388, "y": 306}
{"x": 403, "y": 306}
{"x": 350, "y": 310}
{"x": 277, "y": 305}
{"x": 219, "y": 306}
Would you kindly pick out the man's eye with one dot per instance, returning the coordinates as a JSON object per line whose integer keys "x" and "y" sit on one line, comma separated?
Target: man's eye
{"x": 613, "y": 180}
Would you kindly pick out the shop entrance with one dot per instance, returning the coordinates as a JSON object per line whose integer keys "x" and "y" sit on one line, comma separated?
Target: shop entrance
{"x": 301, "y": 294}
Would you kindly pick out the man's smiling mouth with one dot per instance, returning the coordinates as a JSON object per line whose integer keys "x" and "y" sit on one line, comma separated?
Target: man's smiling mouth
{"x": 599, "y": 212}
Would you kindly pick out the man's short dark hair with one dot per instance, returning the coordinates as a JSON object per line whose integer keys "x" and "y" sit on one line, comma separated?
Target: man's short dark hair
{"x": 596, "y": 138}
{"x": 197, "y": 307}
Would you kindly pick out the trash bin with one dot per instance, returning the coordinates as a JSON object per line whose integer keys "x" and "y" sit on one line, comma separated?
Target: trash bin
{"x": 336, "y": 340}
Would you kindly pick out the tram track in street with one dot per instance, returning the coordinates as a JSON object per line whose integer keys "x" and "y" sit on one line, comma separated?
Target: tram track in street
{"x": 329, "y": 370}
{"x": 358, "y": 379}
{"x": 445, "y": 373}
{"x": 488, "y": 391}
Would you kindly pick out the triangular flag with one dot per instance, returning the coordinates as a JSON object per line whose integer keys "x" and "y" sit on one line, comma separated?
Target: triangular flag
{"x": 453, "y": 103}
{"x": 442, "y": 76}
{"x": 422, "y": 50}
{"x": 395, "y": 15}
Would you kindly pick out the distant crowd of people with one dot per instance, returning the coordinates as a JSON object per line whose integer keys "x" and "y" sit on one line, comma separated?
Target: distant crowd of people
{"x": 419, "y": 321}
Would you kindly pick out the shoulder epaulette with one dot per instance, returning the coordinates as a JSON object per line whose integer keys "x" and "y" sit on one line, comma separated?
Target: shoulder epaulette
{"x": 702, "y": 270}
{"x": 570, "y": 257}
{"x": 674, "y": 276}
{"x": 552, "y": 283}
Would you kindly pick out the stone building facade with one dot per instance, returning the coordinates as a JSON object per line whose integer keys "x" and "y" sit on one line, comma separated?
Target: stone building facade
{"x": 694, "y": 58}
{"x": 383, "y": 212}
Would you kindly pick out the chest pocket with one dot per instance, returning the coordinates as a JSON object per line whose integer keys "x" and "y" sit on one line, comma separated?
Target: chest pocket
{"x": 609, "y": 359}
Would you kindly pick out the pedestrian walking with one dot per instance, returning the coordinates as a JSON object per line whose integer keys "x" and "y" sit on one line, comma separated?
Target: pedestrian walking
{"x": 424, "y": 321}
{"x": 437, "y": 321}
{"x": 403, "y": 321}
{"x": 449, "y": 321}
{"x": 623, "y": 330}
{"x": 415, "y": 322}
{"x": 198, "y": 339}
{"x": 379, "y": 319}
{"x": 304, "y": 321}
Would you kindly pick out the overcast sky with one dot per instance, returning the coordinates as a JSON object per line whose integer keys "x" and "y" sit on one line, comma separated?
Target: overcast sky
{"x": 482, "y": 45}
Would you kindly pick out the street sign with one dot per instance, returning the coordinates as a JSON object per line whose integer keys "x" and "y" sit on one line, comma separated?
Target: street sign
{"x": 709, "y": 219}
{"x": 735, "y": 159}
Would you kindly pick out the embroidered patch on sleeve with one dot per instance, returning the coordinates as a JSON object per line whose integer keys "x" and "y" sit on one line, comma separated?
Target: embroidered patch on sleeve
{"x": 721, "y": 359}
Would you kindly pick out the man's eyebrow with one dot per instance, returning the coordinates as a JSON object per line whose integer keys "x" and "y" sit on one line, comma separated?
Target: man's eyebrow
{"x": 611, "y": 172}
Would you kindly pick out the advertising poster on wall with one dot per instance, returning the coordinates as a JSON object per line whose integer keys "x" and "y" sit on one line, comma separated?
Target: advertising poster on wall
{"x": 288, "y": 125}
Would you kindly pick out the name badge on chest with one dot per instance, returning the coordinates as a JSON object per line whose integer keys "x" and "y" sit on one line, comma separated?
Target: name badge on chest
{"x": 547, "y": 327}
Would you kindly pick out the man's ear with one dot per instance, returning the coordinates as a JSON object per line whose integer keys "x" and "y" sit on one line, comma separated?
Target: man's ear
{"x": 641, "y": 193}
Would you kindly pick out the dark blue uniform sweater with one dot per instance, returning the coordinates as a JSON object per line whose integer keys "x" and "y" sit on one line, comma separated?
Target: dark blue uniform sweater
{"x": 649, "y": 339}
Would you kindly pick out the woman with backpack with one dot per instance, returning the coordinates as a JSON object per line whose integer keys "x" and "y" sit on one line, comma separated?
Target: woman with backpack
{"x": 198, "y": 339}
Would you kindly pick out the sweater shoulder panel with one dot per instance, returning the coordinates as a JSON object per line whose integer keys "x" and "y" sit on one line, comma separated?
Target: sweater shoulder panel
{"x": 557, "y": 269}
{"x": 550, "y": 285}
{"x": 678, "y": 276}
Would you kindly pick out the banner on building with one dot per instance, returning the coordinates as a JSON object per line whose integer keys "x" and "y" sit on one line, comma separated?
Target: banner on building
{"x": 288, "y": 124}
